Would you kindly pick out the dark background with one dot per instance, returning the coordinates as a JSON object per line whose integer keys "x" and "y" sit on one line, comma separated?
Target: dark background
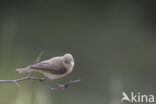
{"x": 113, "y": 43}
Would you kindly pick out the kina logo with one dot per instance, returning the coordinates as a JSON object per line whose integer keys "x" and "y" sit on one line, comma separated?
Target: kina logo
{"x": 137, "y": 97}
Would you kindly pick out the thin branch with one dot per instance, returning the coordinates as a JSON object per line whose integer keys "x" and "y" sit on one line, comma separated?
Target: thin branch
{"x": 70, "y": 82}
{"x": 36, "y": 61}
{"x": 39, "y": 57}
{"x": 62, "y": 87}
{"x": 42, "y": 80}
{"x": 22, "y": 79}
{"x": 48, "y": 86}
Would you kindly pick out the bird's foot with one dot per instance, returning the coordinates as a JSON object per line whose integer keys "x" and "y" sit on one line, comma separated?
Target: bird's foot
{"x": 61, "y": 87}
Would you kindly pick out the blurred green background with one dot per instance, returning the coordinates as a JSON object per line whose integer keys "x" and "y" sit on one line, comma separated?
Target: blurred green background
{"x": 113, "y": 43}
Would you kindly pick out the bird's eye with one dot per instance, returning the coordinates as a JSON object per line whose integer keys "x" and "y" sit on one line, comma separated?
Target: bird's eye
{"x": 66, "y": 62}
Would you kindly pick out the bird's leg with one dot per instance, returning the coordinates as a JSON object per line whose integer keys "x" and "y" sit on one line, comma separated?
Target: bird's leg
{"x": 58, "y": 85}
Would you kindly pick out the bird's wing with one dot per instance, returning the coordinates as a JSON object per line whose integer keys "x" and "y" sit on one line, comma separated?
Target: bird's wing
{"x": 49, "y": 67}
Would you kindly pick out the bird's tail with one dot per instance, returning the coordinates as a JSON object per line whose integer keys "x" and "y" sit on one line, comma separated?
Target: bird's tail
{"x": 24, "y": 70}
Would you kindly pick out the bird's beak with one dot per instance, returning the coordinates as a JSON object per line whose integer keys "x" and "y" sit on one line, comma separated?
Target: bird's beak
{"x": 72, "y": 63}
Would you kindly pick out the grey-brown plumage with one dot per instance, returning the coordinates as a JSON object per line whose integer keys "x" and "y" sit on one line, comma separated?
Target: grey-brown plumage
{"x": 53, "y": 68}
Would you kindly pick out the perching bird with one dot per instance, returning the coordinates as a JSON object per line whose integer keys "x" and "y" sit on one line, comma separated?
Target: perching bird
{"x": 53, "y": 68}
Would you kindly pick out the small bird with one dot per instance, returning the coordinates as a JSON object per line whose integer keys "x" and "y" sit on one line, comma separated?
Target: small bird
{"x": 53, "y": 68}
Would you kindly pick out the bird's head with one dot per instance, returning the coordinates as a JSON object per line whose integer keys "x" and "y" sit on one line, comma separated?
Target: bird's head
{"x": 68, "y": 60}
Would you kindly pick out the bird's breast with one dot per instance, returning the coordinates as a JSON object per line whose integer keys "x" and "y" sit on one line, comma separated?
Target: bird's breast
{"x": 53, "y": 76}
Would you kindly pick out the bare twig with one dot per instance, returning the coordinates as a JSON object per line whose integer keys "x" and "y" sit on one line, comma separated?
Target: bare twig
{"x": 22, "y": 79}
{"x": 36, "y": 61}
{"x": 62, "y": 87}
{"x": 70, "y": 82}
{"x": 42, "y": 80}
{"x": 48, "y": 86}
{"x": 39, "y": 57}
